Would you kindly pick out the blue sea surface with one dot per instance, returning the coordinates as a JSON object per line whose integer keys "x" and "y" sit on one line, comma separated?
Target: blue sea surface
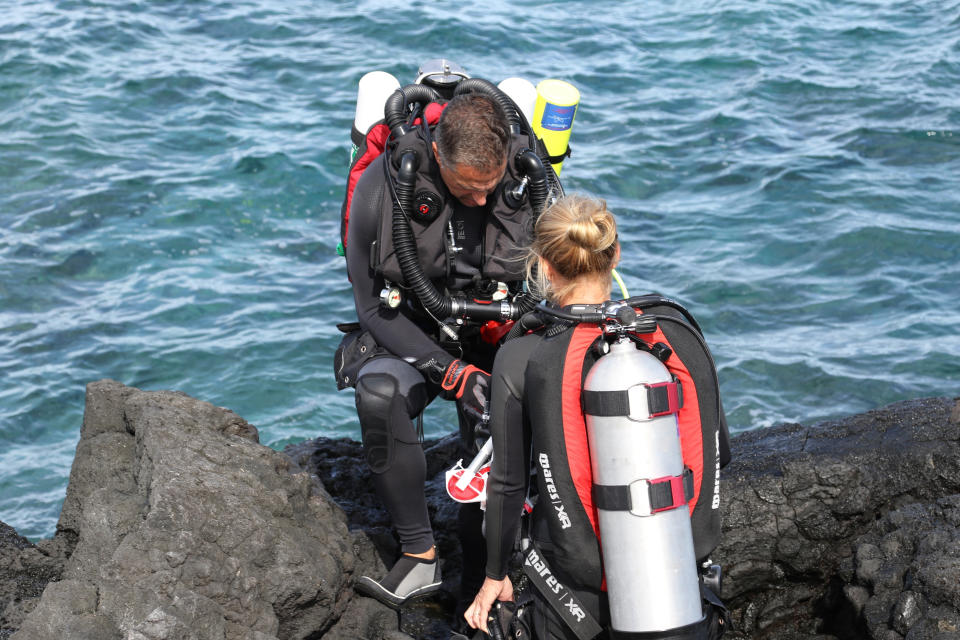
{"x": 171, "y": 175}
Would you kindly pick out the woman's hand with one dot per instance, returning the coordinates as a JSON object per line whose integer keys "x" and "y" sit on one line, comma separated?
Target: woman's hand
{"x": 491, "y": 590}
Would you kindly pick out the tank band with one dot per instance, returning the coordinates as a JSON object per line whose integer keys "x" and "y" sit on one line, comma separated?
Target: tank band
{"x": 640, "y": 402}
{"x": 560, "y": 157}
{"x": 646, "y": 497}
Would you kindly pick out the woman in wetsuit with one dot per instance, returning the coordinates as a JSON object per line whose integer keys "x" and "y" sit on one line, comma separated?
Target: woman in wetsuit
{"x": 574, "y": 251}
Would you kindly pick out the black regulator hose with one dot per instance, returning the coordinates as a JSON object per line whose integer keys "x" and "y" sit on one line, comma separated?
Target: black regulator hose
{"x": 517, "y": 121}
{"x": 530, "y": 165}
{"x": 527, "y": 322}
{"x": 649, "y": 300}
{"x": 395, "y": 110}
{"x": 405, "y": 244}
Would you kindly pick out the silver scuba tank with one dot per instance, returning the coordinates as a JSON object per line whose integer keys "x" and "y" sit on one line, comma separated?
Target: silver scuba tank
{"x": 641, "y": 490}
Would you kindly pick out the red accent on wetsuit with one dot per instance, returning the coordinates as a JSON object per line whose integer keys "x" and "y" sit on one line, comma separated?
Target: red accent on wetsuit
{"x": 574, "y": 425}
{"x": 376, "y": 140}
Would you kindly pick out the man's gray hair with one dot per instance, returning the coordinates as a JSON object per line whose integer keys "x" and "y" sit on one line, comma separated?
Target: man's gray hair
{"x": 473, "y": 131}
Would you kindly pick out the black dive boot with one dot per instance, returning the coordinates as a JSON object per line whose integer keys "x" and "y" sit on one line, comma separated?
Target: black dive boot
{"x": 409, "y": 579}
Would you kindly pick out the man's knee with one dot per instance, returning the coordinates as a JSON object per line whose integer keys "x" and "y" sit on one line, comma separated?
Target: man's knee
{"x": 382, "y": 411}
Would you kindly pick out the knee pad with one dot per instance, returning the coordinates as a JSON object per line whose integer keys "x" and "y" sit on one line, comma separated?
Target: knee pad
{"x": 383, "y": 419}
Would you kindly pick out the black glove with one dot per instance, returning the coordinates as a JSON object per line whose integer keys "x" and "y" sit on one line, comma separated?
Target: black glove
{"x": 468, "y": 385}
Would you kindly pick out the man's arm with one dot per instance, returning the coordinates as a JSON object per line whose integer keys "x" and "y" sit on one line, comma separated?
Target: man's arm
{"x": 390, "y": 328}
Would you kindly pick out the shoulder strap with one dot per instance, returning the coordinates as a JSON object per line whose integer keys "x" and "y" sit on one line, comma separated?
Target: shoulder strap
{"x": 560, "y": 598}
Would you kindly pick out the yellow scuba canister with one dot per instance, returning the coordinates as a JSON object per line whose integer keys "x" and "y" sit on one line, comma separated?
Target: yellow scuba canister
{"x": 372, "y": 93}
{"x": 557, "y": 102}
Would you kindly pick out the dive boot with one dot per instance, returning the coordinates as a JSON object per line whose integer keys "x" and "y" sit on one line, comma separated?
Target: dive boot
{"x": 410, "y": 578}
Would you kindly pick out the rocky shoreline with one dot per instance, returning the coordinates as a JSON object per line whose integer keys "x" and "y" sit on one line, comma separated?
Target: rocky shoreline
{"x": 178, "y": 524}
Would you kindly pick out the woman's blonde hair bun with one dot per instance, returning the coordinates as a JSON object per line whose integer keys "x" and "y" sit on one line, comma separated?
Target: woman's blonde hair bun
{"x": 577, "y": 235}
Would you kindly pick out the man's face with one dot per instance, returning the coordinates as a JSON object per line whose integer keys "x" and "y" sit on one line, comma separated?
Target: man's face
{"x": 469, "y": 185}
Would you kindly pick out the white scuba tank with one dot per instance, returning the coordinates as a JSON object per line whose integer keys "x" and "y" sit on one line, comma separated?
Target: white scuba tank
{"x": 372, "y": 92}
{"x": 523, "y": 94}
{"x": 648, "y": 554}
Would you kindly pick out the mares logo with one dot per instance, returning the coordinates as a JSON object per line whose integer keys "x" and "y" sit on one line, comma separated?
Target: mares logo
{"x": 575, "y": 610}
{"x": 534, "y": 561}
{"x": 561, "y": 599}
{"x": 552, "y": 492}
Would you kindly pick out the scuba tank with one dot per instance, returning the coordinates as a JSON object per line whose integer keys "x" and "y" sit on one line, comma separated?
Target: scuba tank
{"x": 373, "y": 90}
{"x": 441, "y": 75}
{"x": 641, "y": 488}
{"x": 523, "y": 93}
{"x": 555, "y": 109}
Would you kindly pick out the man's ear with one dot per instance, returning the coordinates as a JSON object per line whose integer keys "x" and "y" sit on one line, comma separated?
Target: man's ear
{"x": 436, "y": 154}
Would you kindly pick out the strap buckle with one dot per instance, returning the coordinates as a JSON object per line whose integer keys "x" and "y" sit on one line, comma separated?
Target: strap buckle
{"x": 646, "y": 497}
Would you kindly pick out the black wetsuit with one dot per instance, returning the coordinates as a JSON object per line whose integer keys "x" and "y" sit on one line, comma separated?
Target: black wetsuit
{"x": 409, "y": 335}
{"x": 508, "y": 482}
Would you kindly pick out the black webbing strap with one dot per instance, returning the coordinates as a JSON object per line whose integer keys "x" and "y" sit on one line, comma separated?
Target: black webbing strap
{"x": 612, "y": 497}
{"x": 357, "y": 137}
{"x": 606, "y": 404}
{"x": 663, "y": 398}
{"x": 560, "y": 598}
{"x": 560, "y": 158}
{"x": 695, "y": 631}
{"x": 664, "y": 494}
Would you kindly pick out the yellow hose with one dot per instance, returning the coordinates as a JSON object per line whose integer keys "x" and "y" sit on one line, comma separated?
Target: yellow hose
{"x": 623, "y": 287}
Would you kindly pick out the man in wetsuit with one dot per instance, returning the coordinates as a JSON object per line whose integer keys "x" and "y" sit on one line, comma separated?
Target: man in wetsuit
{"x": 462, "y": 167}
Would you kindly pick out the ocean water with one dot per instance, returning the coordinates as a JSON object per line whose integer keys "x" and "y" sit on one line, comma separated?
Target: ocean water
{"x": 171, "y": 174}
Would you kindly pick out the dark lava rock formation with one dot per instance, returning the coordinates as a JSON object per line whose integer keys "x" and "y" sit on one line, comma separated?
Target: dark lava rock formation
{"x": 847, "y": 529}
{"x": 178, "y": 524}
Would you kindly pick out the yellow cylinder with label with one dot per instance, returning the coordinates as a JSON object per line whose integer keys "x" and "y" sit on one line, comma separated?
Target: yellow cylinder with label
{"x": 553, "y": 115}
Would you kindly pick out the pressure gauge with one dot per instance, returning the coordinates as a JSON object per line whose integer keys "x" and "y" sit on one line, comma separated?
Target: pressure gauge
{"x": 391, "y": 297}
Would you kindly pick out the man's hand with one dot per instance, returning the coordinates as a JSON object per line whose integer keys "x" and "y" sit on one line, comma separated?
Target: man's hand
{"x": 491, "y": 590}
{"x": 468, "y": 385}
